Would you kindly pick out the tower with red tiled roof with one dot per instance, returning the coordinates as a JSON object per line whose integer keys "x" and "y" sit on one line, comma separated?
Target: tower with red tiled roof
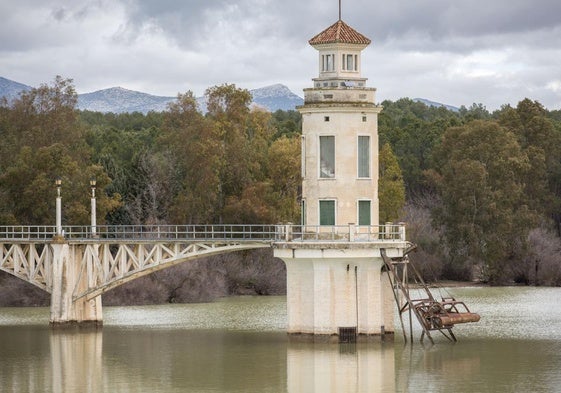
{"x": 335, "y": 280}
{"x": 340, "y": 134}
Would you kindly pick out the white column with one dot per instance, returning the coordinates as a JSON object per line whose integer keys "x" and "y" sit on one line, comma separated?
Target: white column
{"x": 59, "y": 214}
{"x": 93, "y": 208}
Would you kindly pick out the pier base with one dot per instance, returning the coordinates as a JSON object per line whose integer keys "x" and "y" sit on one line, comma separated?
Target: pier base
{"x": 337, "y": 291}
{"x": 66, "y": 279}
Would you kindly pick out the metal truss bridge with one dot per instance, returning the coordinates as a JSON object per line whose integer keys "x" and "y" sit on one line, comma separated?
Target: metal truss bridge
{"x": 103, "y": 257}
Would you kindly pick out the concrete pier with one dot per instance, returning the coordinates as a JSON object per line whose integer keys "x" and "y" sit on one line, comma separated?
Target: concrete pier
{"x": 67, "y": 277}
{"x": 337, "y": 286}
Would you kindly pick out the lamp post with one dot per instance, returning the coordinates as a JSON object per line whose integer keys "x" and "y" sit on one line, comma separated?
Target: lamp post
{"x": 58, "y": 183}
{"x": 93, "y": 209}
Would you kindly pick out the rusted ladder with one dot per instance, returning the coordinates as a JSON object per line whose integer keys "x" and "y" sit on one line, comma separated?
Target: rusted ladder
{"x": 431, "y": 313}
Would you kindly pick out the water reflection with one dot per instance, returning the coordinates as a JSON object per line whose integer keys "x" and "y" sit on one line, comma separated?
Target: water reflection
{"x": 76, "y": 361}
{"x": 363, "y": 367}
{"x": 37, "y": 359}
{"x": 240, "y": 345}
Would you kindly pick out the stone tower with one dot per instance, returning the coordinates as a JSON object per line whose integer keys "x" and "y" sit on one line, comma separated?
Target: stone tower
{"x": 339, "y": 134}
{"x": 336, "y": 283}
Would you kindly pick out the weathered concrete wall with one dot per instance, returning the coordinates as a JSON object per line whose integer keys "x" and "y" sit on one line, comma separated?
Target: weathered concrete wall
{"x": 67, "y": 277}
{"x": 330, "y": 288}
{"x": 346, "y": 124}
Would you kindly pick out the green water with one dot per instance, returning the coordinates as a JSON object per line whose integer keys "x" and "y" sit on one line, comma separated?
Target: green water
{"x": 239, "y": 345}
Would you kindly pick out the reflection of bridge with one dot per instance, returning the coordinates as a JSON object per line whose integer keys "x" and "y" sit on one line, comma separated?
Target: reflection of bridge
{"x": 81, "y": 265}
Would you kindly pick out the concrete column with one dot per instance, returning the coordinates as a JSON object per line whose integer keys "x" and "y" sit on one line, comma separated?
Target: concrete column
{"x": 87, "y": 311}
{"x": 61, "y": 294}
{"x": 93, "y": 215}
{"x": 67, "y": 278}
{"x": 300, "y": 296}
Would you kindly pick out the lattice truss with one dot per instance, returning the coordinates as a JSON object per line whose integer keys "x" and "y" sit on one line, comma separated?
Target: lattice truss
{"x": 103, "y": 266}
{"x": 31, "y": 262}
{"x": 106, "y": 266}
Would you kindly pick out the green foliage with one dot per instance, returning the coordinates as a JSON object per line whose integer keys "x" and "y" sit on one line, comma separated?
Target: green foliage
{"x": 196, "y": 154}
{"x": 391, "y": 189}
{"x": 44, "y": 140}
{"x": 285, "y": 177}
{"x": 413, "y": 130}
{"x": 286, "y": 123}
{"x": 485, "y": 211}
{"x": 490, "y": 178}
{"x": 538, "y": 137}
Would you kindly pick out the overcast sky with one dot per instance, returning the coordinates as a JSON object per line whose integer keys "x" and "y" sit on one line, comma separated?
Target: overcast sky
{"x": 492, "y": 52}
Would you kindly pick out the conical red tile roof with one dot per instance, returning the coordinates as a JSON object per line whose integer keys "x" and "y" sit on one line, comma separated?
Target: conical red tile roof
{"x": 339, "y": 32}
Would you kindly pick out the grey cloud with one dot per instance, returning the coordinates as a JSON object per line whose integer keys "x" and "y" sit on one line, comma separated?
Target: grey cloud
{"x": 492, "y": 51}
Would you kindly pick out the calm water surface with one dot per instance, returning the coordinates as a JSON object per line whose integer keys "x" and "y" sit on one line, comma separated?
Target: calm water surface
{"x": 240, "y": 345}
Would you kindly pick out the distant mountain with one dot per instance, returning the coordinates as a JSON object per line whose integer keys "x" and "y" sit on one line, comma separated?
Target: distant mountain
{"x": 119, "y": 100}
{"x": 276, "y": 97}
{"x": 11, "y": 89}
{"x": 436, "y": 104}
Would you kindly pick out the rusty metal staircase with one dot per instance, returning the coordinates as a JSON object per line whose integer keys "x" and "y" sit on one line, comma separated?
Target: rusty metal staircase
{"x": 433, "y": 315}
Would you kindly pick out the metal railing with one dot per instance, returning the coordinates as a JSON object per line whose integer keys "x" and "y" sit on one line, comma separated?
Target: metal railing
{"x": 248, "y": 233}
{"x": 343, "y": 233}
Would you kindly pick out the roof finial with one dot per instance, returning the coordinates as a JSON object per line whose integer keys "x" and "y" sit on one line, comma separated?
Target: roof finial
{"x": 339, "y": 9}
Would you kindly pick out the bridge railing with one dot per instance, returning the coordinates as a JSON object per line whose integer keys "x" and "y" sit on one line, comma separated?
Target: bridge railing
{"x": 266, "y": 233}
{"x": 27, "y": 232}
{"x": 343, "y": 233}
{"x": 174, "y": 232}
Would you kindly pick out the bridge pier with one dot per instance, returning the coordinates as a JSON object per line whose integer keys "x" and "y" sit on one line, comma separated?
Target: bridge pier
{"x": 67, "y": 278}
{"x": 336, "y": 290}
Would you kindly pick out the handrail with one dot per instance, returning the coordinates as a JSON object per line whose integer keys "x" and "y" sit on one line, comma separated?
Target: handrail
{"x": 223, "y": 232}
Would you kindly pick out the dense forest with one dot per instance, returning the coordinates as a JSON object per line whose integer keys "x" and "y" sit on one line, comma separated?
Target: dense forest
{"x": 480, "y": 191}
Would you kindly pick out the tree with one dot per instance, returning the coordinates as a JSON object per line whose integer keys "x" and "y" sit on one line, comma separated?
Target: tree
{"x": 540, "y": 140}
{"x": 485, "y": 212}
{"x": 44, "y": 140}
{"x": 413, "y": 129}
{"x": 287, "y": 123}
{"x": 228, "y": 107}
{"x": 391, "y": 189}
{"x": 196, "y": 150}
{"x": 286, "y": 177}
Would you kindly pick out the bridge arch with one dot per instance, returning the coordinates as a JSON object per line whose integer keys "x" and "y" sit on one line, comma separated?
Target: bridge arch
{"x": 108, "y": 266}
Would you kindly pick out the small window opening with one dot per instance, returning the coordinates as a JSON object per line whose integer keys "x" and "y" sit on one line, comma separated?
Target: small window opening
{"x": 347, "y": 334}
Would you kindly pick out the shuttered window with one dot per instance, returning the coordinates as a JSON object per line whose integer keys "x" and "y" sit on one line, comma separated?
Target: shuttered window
{"x": 326, "y": 212}
{"x": 364, "y": 156}
{"x": 364, "y": 213}
{"x": 327, "y": 157}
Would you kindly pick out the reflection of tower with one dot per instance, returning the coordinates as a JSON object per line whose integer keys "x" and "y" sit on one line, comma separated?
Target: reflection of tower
{"x": 340, "y": 134}
{"x": 326, "y": 368}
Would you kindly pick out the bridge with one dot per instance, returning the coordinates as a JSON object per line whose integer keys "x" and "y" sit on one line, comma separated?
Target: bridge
{"x": 77, "y": 264}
